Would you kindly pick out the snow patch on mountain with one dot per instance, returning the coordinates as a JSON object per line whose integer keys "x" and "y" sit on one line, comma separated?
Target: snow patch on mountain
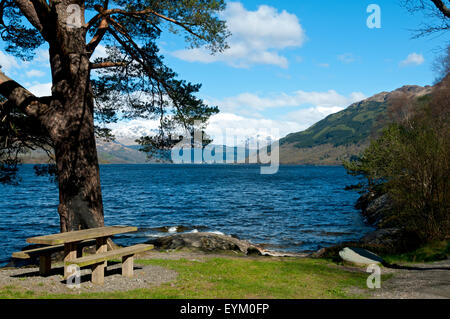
{"x": 126, "y": 132}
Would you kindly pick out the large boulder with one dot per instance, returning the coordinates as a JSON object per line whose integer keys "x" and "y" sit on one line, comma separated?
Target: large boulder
{"x": 203, "y": 241}
{"x": 391, "y": 240}
{"x": 383, "y": 236}
{"x": 360, "y": 256}
{"x": 364, "y": 200}
{"x": 377, "y": 209}
{"x": 211, "y": 242}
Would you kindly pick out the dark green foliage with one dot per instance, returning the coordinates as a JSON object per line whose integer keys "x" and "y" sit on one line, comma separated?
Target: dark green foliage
{"x": 145, "y": 87}
{"x": 411, "y": 162}
{"x": 49, "y": 170}
{"x": 21, "y": 40}
{"x": 137, "y": 85}
{"x": 433, "y": 251}
{"x": 18, "y": 134}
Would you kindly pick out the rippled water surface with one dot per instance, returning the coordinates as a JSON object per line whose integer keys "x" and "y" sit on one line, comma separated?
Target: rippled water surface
{"x": 299, "y": 209}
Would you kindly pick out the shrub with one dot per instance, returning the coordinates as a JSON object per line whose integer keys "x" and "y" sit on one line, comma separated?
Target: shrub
{"x": 411, "y": 162}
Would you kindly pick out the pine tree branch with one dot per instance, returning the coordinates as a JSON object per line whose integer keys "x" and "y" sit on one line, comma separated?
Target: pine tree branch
{"x": 19, "y": 96}
{"x": 129, "y": 49}
{"x": 29, "y": 11}
{"x": 99, "y": 34}
{"x": 108, "y": 64}
{"x": 140, "y": 15}
{"x": 442, "y": 7}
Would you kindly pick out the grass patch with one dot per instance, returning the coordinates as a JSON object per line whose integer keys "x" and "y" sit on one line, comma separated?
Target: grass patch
{"x": 233, "y": 278}
{"x": 435, "y": 251}
{"x": 12, "y": 292}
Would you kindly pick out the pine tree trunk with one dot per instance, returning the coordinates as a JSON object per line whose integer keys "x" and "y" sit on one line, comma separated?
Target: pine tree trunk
{"x": 72, "y": 128}
{"x": 80, "y": 197}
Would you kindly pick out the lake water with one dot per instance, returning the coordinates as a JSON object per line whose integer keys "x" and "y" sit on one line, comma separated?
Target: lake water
{"x": 302, "y": 208}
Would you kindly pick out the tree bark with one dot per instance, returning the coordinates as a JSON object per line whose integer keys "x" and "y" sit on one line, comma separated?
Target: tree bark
{"x": 71, "y": 127}
{"x": 72, "y": 131}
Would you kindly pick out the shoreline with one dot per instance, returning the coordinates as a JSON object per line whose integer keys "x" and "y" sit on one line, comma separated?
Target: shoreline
{"x": 200, "y": 275}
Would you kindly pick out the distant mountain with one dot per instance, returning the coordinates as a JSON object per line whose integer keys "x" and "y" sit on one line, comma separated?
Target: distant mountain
{"x": 117, "y": 153}
{"x": 328, "y": 142}
{"x": 343, "y": 134}
{"x": 108, "y": 153}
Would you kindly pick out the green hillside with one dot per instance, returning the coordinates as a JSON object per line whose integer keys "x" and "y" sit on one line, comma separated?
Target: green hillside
{"x": 350, "y": 126}
{"x": 344, "y": 134}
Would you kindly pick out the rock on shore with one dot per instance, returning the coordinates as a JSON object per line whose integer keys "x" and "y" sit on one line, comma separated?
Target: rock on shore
{"x": 211, "y": 242}
{"x": 375, "y": 208}
{"x": 388, "y": 237}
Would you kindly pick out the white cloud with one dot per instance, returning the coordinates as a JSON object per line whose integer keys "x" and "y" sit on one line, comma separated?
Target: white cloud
{"x": 42, "y": 56}
{"x": 225, "y": 127}
{"x": 257, "y": 36}
{"x": 309, "y": 116}
{"x": 126, "y": 132}
{"x": 11, "y": 64}
{"x": 222, "y": 127}
{"x": 239, "y": 116}
{"x": 346, "y": 58}
{"x": 244, "y": 101}
{"x": 41, "y": 89}
{"x": 35, "y": 73}
{"x": 243, "y": 126}
{"x": 100, "y": 52}
{"x": 240, "y": 113}
{"x": 230, "y": 129}
{"x": 413, "y": 59}
{"x": 7, "y": 62}
{"x": 324, "y": 65}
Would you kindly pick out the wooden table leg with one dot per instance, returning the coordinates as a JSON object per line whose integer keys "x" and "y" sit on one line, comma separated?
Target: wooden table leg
{"x": 127, "y": 266}
{"x": 102, "y": 247}
{"x": 70, "y": 253}
{"x": 98, "y": 274}
{"x": 45, "y": 264}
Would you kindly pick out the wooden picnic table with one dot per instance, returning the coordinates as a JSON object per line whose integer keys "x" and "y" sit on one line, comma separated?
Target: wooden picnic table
{"x": 72, "y": 239}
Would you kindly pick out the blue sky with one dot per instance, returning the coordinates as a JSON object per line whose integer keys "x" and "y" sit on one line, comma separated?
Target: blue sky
{"x": 290, "y": 63}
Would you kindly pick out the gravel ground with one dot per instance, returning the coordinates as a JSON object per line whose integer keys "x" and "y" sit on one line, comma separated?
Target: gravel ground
{"x": 29, "y": 279}
{"x": 411, "y": 281}
{"x": 417, "y": 281}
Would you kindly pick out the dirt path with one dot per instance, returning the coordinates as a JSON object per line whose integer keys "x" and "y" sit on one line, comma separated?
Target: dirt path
{"x": 417, "y": 281}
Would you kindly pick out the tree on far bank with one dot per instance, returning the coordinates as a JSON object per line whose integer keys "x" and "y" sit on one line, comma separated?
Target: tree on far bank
{"x": 131, "y": 81}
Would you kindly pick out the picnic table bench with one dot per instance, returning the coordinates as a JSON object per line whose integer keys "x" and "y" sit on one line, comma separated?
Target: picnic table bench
{"x": 44, "y": 254}
{"x": 71, "y": 242}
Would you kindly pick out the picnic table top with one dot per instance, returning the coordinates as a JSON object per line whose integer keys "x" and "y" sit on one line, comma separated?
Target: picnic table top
{"x": 80, "y": 235}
